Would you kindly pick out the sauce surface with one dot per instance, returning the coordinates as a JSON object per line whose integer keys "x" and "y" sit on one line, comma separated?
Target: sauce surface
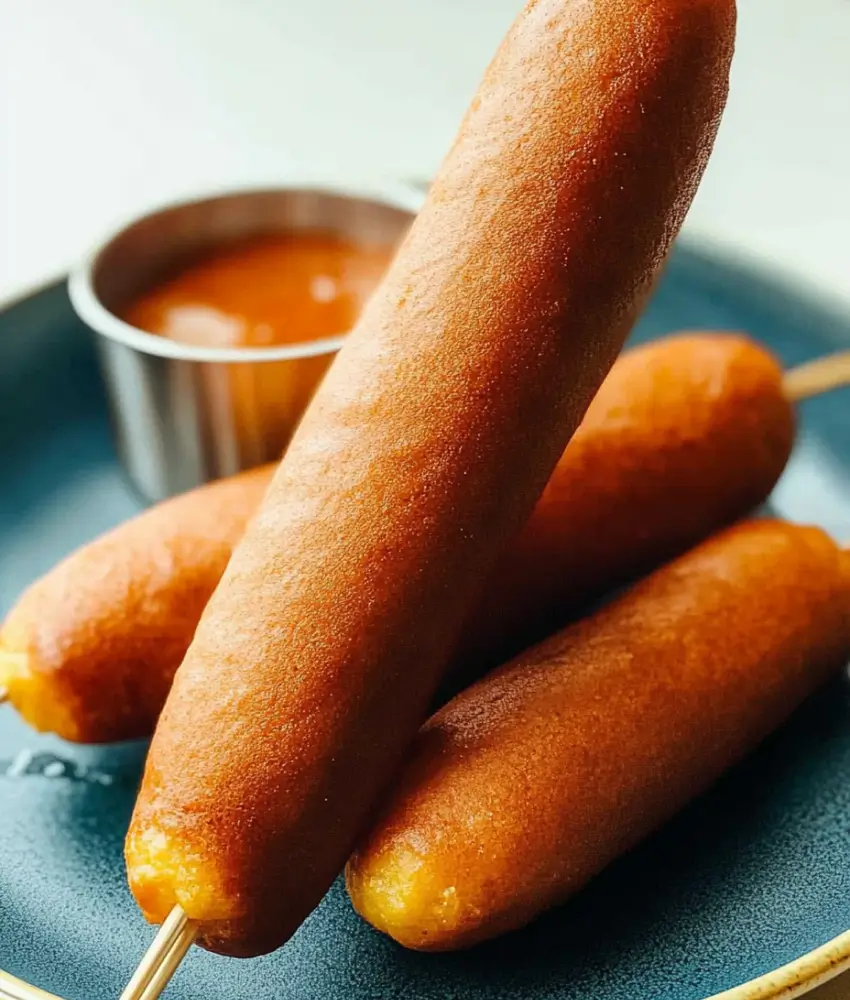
{"x": 272, "y": 290}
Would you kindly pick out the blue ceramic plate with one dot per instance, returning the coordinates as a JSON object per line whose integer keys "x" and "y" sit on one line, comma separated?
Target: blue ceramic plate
{"x": 753, "y": 876}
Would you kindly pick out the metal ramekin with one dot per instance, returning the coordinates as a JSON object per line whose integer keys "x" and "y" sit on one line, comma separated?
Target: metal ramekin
{"x": 184, "y": 415}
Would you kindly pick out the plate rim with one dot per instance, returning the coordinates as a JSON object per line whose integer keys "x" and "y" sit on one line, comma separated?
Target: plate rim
{"x": 798, "y": 977}
{"x": 795, "y": 979}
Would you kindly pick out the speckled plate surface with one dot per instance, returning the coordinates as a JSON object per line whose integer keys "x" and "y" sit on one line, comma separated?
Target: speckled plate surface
{"x": 754, "y": 875}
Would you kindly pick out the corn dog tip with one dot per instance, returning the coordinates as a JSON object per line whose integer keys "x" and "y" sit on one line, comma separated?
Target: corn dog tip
{"x": 20, "y": 687}
{"x": 394, "y": 893}
{"x": 166, "y": 875}
{"x": 398, "y": 891}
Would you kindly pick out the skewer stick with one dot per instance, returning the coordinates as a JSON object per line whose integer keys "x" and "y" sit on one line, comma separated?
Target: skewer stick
{"x": 4, "y": 697}
{"x": 816, "y": 377}
{"x": 161, "y": 960}
{"x": 168, "y": 966}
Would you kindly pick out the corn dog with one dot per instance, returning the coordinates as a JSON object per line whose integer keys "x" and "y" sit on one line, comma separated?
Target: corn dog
{"x": 529, "y": 783}
{"x": 90, "y": 650}
{"x": 685, "y": 435}
{"x": 421, "y": 456}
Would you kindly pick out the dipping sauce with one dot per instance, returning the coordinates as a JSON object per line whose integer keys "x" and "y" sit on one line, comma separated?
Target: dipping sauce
{"x": 269, "y": 291}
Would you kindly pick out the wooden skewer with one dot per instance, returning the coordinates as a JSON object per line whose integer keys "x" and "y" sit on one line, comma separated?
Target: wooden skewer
{"x": 167, "y": 967}
{"x": 816, "y": 377}
{"x": 4, "y": 696}
{"x": 161, "y": 960}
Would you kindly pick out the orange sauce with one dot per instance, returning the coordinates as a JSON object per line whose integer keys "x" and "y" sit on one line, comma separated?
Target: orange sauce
{"x": 269, "y": 291}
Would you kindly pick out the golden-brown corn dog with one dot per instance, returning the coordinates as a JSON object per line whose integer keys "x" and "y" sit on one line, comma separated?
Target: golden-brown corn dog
{"x": 686, "y": 435}
{"x": 421, "y": 456}
{"x": 529, "y": 783}
{"x": 90, "y": 650}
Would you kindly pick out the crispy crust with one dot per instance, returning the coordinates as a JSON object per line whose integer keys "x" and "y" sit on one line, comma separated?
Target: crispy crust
{"x": 421, "y": 456}
{"x": 685, "y": 436}
{"x": 90, "y": 650}
{"x": 532, "y": 781}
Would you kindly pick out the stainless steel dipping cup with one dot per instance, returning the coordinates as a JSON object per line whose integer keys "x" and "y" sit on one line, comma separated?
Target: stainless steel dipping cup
{"x": 184, "y": 415}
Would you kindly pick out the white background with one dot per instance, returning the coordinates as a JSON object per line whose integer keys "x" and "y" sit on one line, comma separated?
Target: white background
{"x": 109, "y": 106}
